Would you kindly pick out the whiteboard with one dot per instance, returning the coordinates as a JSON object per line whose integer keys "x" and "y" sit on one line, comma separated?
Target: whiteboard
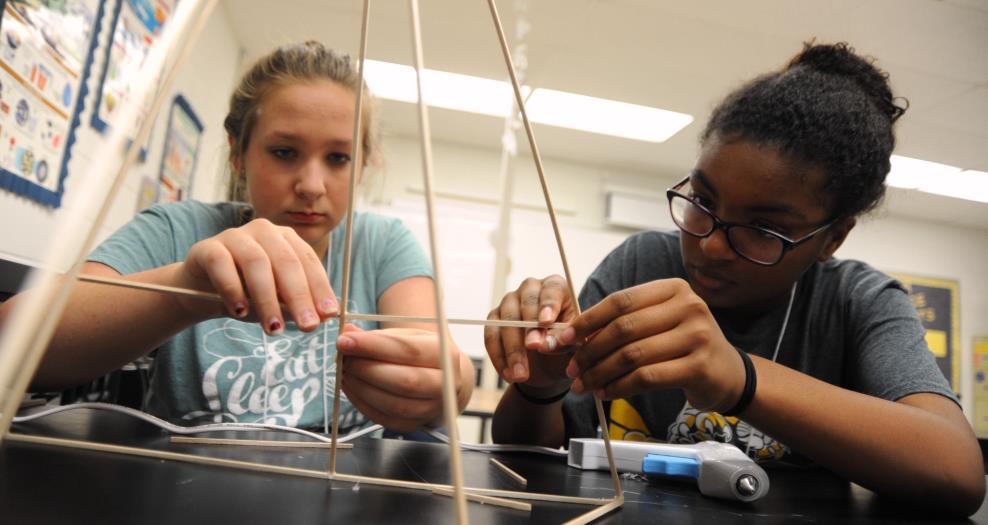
{"x": 467, "y": 255}
{"x": 466, "y": 258}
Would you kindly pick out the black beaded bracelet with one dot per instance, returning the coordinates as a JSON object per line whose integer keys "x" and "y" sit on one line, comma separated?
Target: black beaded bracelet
{"x": 540, "y": 400}
{"x": 750, "y": 382}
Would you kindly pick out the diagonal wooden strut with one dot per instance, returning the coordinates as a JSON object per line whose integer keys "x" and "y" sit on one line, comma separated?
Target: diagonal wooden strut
{"x": 357, "y": 159}
{"x": 520, "y": 101}
{"x": 293, "y": 471}
{"x": 450, "y": 407}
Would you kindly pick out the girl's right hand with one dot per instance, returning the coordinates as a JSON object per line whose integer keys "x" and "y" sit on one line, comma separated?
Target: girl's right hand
{"x": 527, "y": 355}
{"x": 263, "y": 272}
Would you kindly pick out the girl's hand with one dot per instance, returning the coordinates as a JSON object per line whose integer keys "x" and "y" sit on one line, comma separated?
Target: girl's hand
{"x": 653, "y": 336}
{"x": 257, "y": 268}
{"x": 392, "y": 375}
{"x": 527, "y": 355}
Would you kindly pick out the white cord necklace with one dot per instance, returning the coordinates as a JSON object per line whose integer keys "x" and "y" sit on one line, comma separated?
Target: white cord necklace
{"x": 775, "y": 353}
{"x": 785, "y": 322}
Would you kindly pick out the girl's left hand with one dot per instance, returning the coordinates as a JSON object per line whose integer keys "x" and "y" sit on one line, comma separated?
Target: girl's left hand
{"x": 392, "y": 375}
{"x": 657, "y": 335}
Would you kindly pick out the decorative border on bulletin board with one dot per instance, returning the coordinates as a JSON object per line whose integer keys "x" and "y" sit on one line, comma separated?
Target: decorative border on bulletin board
{"x": 15, "y": 183}
{"x": 95, "y": 120}
{"x": 934, "y": 299}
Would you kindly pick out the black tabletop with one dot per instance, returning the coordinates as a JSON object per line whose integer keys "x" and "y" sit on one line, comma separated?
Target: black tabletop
{"x": 48, "y": 484}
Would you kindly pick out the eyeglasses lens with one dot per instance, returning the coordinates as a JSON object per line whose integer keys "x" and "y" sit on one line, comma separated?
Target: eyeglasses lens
{"x": 750, "y": 243}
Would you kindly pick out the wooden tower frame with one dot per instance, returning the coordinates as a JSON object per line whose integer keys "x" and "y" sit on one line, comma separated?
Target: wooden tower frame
{"x": 32, "y": 322}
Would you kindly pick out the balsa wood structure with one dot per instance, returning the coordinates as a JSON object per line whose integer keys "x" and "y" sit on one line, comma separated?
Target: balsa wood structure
{"x": 32, "y": 323}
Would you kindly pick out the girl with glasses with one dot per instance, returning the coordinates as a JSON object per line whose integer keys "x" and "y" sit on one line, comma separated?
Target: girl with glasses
{"x": 741, "y": 326}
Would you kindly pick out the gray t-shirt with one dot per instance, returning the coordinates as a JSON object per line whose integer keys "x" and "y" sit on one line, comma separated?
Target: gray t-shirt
{"x": 224, "y": 370}
{"x": 850, "y": 325}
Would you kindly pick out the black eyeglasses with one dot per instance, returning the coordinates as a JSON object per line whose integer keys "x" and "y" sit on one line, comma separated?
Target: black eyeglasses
{"x": 753, "y": 243}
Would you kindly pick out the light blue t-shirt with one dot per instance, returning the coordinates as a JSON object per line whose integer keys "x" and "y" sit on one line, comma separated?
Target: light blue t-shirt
{"x": 224, "y": 370}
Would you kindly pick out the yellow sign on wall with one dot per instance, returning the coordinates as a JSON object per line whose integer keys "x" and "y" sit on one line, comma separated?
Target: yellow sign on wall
{"x": 937, "y": 303}
{"x": 980, "y": 372}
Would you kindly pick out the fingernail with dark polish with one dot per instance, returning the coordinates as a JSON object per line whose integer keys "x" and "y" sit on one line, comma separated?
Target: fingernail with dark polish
{"x": 275, "y": 327}
{"x": 240, "y": 310}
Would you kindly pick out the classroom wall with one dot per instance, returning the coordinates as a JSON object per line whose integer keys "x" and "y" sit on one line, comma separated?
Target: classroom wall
{"x": 205, "y": 81}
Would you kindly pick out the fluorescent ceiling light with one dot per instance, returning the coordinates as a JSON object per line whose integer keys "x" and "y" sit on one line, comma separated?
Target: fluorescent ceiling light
{"x": 608, "y": 117}
{"x": 912, "y": 173}
{"x": 440, "y": 89}
{"x": 939, "y": 179}
{"x": 391, "y": 81}
{"x": 545, "y": 106}
{"x": 970, "y": 184}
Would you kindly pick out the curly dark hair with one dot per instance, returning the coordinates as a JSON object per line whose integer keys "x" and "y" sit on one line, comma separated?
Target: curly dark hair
{"x": 828, "y": 107}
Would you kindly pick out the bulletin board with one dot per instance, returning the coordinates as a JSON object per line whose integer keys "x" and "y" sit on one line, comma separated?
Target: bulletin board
{"x": 46, "y": 50}
{"x": 136, "y": 26}
{"x": 980, "y": 370}
{"x": 178, "y": 158}
{"x": 937, "y": 303}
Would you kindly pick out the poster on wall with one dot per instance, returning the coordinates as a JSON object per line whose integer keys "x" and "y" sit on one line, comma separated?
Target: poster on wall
{"x": 147, "y": 192}
{"x": 178, "y": 158}
{"x": 980, "y": 371}
{"x": 46, "y": 49}
{"x": 136, "y": 26}
{"x": 937, "y": 302}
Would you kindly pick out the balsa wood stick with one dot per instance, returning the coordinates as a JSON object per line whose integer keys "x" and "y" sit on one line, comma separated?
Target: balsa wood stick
{"x": 511, "y": 473}
{"x": 357, "y": 162}
{"x": 165, "y": 454}
{"x": 477, "y": 322}
{"x": 290, "y": 471}
{"x": 534, "y": 496}
{"x": 490, "y": 500}
{"x": 256, "y": 442}
{"x": 594, "y": 514}
{"x": 448, "y": 367}
{"x": 150, "y": 287}
{"x": 210, "y": 296}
